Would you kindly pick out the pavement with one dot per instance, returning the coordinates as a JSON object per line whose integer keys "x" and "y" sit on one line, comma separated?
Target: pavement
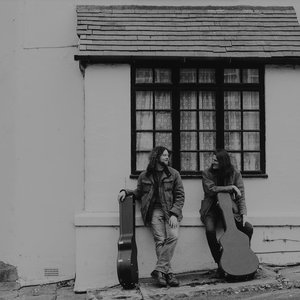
{"x": 269, "y": 282}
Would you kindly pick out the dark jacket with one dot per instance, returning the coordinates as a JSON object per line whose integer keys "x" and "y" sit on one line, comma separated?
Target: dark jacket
{"x": 210, "y": 187}
{"x": 170, "y": 191}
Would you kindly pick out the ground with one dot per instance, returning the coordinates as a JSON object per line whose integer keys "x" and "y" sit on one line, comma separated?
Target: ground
{"x": 269, "y": 283}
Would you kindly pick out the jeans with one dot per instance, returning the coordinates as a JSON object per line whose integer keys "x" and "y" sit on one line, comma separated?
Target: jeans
{"x": 165, "y": 239}
{"x": 210, "y": 223}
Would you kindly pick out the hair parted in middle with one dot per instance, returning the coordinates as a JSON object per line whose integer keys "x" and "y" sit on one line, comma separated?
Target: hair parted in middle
{"x": 154, "y": 157}
{"x": 226, "y": 168}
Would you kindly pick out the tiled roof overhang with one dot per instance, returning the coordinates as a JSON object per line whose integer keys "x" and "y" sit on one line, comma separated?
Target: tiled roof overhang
{"x": 124, "y": 33}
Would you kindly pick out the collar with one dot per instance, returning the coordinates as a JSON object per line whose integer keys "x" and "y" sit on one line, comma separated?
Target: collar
{"x": 166, "y": 173}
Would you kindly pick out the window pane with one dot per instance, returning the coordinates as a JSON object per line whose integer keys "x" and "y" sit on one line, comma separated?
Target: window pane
{"x": 207, "y": 76}
{"x": 207, "y": 100}
{"x": 188, "y": 100}
{"x": 251, "y": 100}
{"x": 144, "y": 100}
{"x": 144, "y": 141}
{"x": 142, "y": 160}
{"x": 163, "y": 139}
{"x": 163, "y": 76}
{"x": 251, "y": 140}
{"x": 163, "y": 120}
{"x": 251, "y": 161}
{"x": 251, "y": 120}
{"x": 162, "y": 100}
{"x": 207, "y": 140}
{"x": 250, "y": 76}
{"x": 232, "y": 76}
{"x": 187, "y": 75}
{"x": 188, "y": 140}
{"x": 232, "y": 140}
{"x": 188, "y": 120}
{"x": 143, "y": 76}
{"x": 232, "y": 120}
{"x": 232, "y": 100}
{"x": 207, "y": 120}
{"x": 188, "y": 161}
{"x": 205, "y": 160}
{"x": 236, "y": 160}
{"x": 144, "y": 120}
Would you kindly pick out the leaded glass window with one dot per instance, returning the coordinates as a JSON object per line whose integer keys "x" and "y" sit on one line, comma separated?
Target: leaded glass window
{"x": 192, "y": 110}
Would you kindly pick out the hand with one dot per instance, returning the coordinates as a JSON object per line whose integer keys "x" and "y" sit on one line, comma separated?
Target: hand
{"x": 173, "y": 221}
{"x": 237, "y": 191}
{"x": 245, "y": 219}
{"x": 121, "y": 196}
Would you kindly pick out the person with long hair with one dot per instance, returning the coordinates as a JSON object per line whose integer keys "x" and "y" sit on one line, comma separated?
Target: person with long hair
{"x": 221, "y": 176}
{"x": 160, "y": 190}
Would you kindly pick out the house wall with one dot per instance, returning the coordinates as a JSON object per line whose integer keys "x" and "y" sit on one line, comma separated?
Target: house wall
{"x": 44, "y": 163}
{"x": 272, "y": 202}
{"x": 103, "y": 134}
{"x": 41, "y": 134}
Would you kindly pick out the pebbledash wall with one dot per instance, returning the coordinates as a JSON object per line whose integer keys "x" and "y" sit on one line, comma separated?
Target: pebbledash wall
{"x": 65, "y": 153}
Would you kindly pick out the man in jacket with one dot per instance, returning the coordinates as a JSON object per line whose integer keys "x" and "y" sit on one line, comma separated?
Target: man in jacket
{"x": 160, "y": 190}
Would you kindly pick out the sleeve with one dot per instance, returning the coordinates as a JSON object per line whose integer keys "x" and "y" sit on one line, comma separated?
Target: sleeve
{"x": 241, "y": 202}
{"x": 137, "y": 193}
{"x": 209, "y": 186}
{"x": 179, "y": 196}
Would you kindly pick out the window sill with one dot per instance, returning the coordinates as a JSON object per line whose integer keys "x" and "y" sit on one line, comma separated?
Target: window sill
{"x": 190, "y": 219}
{"x": 255, "y": 175}
{"x": 191, "y": 176}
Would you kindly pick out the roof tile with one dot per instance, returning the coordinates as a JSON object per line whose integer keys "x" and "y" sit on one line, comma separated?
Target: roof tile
{"x": 188, "y": 31}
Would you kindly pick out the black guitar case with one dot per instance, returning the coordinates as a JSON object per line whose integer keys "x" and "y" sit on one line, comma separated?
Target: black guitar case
{"x": 127, "y": 265}
{"x": 238, "y": 261}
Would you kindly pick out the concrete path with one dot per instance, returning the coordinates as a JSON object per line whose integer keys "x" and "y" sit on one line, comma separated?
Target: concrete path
{"x": 269, "y": 283}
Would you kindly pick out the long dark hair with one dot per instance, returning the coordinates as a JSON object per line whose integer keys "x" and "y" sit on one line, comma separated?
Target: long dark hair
{"x": 154, "y": 158}
{"x": 226, "y": 169}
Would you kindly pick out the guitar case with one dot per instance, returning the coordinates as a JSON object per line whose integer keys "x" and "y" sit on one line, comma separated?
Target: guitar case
{"x": 127, "y": 265}
{"x": 238, "y": 261}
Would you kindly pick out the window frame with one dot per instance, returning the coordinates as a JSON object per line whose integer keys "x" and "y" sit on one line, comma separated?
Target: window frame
{"x": 219, "y": 87}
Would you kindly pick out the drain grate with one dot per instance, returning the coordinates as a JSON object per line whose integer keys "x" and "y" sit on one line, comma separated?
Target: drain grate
{"x": 50, "y": 272}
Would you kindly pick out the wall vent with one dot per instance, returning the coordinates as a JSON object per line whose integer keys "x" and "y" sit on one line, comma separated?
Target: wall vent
{"x": 51, "y": 272}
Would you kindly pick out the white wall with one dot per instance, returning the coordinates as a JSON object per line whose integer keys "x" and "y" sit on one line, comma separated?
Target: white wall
{"x": 107, "y": 135}
{"x": 41, "y": 134}
{"x": 282, "y": 140}
{"x": 8, "y": 97}
{"x": 272, "y": 202}
{"x": 108, "y": 143}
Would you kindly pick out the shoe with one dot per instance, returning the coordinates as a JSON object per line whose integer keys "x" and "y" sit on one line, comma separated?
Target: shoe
{"x": 219, "y": 273}
{"x": 172, "y": 280}
{"x": 160, "y": 278}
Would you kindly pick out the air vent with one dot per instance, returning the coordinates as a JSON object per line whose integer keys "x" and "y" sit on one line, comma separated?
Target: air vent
{"x": 50, "y": 272}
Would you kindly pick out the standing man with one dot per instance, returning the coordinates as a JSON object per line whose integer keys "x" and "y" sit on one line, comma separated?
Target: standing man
{"x": 161, "y": 193}
{"x": 222, "y": 177}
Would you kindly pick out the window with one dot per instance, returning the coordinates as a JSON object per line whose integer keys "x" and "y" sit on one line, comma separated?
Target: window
{"x": 193, "y": 110}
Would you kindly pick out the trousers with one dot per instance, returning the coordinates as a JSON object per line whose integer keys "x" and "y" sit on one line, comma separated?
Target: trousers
{"x": 165, "y": 239}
